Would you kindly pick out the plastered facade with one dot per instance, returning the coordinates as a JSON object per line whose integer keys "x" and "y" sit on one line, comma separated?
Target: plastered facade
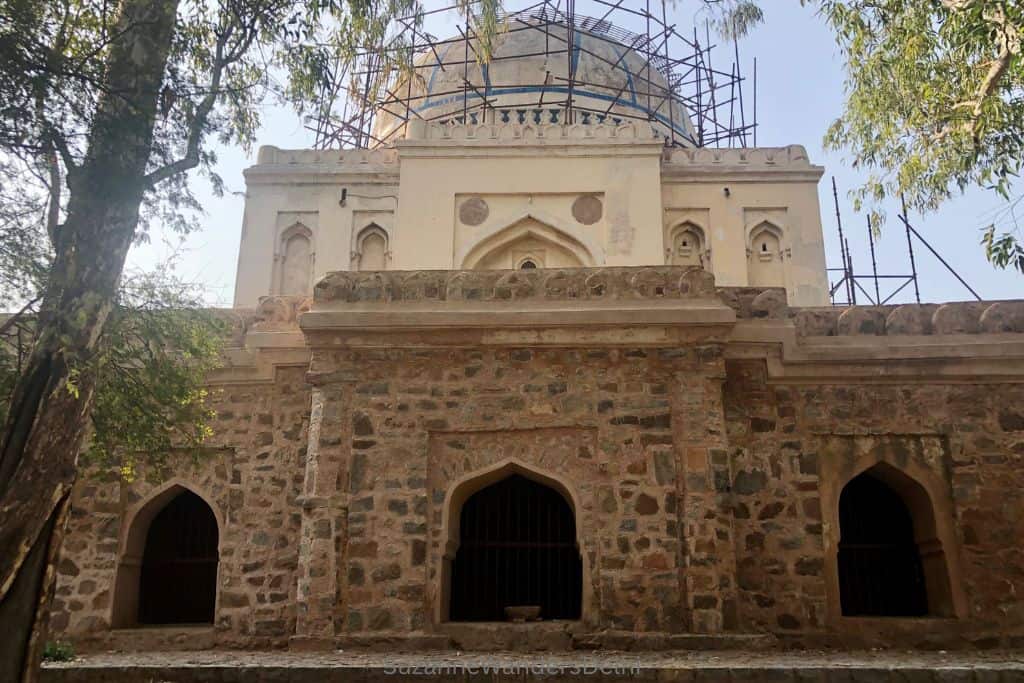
{"x": 495, "y": 194}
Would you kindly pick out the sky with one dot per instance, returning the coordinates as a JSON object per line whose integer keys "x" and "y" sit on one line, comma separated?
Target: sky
{"x": 800, "y": 92}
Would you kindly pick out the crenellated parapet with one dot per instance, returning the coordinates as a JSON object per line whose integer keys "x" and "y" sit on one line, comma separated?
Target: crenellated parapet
{"x": 560, "y": 306}
{"x": 529, "y": 126}
{"x": 960, "y": 317}
{"x": 607, "y": 284}
{"x": 276, "y": 165}
{"x": 270, "y": 155}
{"x": 743, "y": 163}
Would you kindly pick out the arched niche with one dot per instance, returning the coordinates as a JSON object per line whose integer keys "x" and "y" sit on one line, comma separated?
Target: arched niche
{"x": 527, "y": 238}
{"x": 130, "y": 606}
{"x": 371, "y": 249}
{"x": 916, "y": 525}
{"x": 295, "y": 257}
{"x": 688, "y": 246}
{"x": 480, "y": 483}
{"x": 529, "y": 262}
{"x": 765, "y": 252}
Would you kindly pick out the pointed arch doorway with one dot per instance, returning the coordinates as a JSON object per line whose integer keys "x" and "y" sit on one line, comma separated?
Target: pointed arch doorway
{"x": 168, "y": 569}
{"x": 517, "y": 546}
{"x": 880, "y": 568}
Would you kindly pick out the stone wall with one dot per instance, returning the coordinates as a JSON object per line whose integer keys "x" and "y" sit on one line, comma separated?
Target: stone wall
{"x": 597, "y": 420}
{"x": 792, "y": 449}
{"x": 250, "y": 476}
{"x": 702, "y": 436}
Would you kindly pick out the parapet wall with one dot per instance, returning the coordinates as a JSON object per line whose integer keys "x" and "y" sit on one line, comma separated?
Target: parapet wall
{"x": 656, "y": 283}
{"x": 960, "y": 317}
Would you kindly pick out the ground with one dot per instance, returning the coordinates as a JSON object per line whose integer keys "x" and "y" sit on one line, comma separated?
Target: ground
{"x": 294, "y": 667}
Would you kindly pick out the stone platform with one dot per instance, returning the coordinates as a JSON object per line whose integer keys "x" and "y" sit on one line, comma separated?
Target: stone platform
{"x": 723, "y": 666}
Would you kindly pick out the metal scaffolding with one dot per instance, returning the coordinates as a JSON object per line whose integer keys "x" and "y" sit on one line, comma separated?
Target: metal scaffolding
{"x": 848, "y": 286}
{"x": 677, "y": 78}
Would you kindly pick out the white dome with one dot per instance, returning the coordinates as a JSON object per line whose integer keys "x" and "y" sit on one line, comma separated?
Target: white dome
{"x": 527, "y": 80}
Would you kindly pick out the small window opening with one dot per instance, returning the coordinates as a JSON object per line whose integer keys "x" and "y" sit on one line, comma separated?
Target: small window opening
{"x": 764, "y": 246}
{"x": 527, "y": 265}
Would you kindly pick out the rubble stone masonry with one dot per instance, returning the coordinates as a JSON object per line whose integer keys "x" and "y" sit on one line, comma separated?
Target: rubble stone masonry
{"x": 702, "y": 436}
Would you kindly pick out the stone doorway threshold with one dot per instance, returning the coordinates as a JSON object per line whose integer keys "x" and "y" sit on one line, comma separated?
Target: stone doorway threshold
{"x": 487, "y": 636}
{"x": 560, "y": 636}
{"x": 539, "y": 636}
{"x": 141, "y": 638}
{"x": 677, "y": 667}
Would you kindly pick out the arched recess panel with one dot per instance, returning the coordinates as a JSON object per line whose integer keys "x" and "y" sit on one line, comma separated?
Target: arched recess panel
{"x": 372, "y": 250}
{"x": 528, "y": 239}
{"x": 517, "y": 547}
{"x": 296, "y": 263}
{"x": 168, "y": 569}
{"x": 890, "y": 560}
{"x": 764, "y": 263}
{"x": 688, "y": 246}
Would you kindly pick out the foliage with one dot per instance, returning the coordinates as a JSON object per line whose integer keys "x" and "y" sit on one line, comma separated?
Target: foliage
{"x": 150, "y": 366}
{"x": 52, "y": 66}
{"x": 935, "y": 100}
{"x": 734, "y": 18}
{"x": 155, "y": 354}
{"x": 24, "y": 247}
{"x": 1004, "y": 251}
{"x": 58, "y": 651}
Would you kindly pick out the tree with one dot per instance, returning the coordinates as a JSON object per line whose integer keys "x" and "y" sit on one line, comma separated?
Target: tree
{"x": 150, "y": 365}
{"x": 110, "y": 104}
{"x": 112, "y": 101}
{"x": 935, "y": 101}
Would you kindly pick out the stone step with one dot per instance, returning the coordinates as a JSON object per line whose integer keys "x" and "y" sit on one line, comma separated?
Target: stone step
{"x": 545, "y": 636}
{"x": 599, "y": 667}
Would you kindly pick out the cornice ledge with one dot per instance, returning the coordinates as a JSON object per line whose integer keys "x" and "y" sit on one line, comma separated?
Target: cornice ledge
{"x": 258, "y": 365}
{"x": 315, "y": 176}
{"x": 994, "y": 357}
{"x": 512, "y": 316}
{"x": 717, "y": 174}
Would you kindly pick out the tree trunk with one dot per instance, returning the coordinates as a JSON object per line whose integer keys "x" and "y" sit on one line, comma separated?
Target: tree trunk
{"x": 49, "y": 412}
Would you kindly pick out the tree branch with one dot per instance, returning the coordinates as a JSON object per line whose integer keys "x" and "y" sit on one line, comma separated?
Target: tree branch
{"x": 195, "y": 131}
{"x": 1009, "y": 44}
{"x": 53, "y": 209}
{"x": 14, "y": 319}
{"x": 223, "y": 58}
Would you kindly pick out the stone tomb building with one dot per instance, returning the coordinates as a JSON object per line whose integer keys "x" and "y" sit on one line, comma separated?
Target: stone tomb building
{"x": 569, "y": 370}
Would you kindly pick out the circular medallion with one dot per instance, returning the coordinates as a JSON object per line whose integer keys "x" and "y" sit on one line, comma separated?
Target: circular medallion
{"x": 473, "y": 211}
{"x": 587, "y": 209}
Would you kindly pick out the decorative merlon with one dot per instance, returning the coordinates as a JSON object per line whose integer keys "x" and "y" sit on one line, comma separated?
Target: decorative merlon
{"x": 895, "y": 320}
{"x": 791, "y": 156}
{"x": 513, "y": 132}
{"x": 269, "y": 155}
{"x": 557, "y": 306}
{"x": 710, "y": 164}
